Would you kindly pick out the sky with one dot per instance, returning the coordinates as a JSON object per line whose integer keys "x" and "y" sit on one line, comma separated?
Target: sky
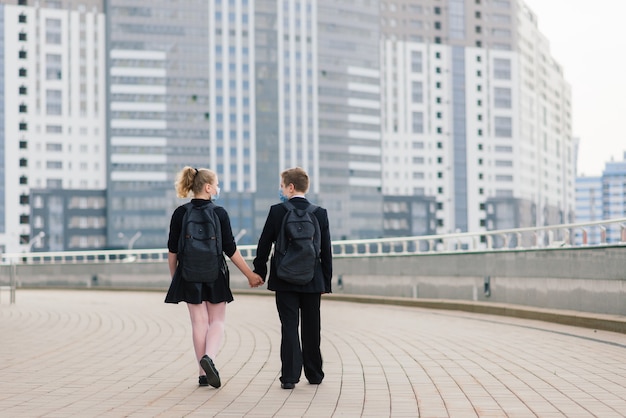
{"x": 588, "y": 39}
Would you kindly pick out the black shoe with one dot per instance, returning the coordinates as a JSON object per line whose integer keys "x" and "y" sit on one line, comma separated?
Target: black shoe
{"x": 315, "y": 382}
{"x": 203, "y": 381}
{"x": 213, "y": 377}
{"x": 288, "y": 385}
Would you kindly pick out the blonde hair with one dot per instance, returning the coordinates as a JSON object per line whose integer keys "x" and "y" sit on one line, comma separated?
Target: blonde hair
{"x": 191, "y": 180}
{"x": 296, "y": 176}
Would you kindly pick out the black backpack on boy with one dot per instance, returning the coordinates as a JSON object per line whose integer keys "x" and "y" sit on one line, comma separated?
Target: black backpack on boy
{"x": 298, "y": 245}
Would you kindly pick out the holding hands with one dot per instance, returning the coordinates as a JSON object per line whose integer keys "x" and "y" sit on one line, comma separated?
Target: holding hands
{"x": 255, "y": 280}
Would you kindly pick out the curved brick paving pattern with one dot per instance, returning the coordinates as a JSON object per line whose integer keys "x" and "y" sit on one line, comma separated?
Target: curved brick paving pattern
{"x": 99, "y": 353}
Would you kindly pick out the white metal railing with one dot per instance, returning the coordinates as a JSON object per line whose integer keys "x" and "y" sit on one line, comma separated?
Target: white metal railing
{"x": 555, "y": 236}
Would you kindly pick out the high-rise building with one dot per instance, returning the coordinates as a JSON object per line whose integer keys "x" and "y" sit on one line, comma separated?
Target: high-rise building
{"x": 348, "y": 72}
{"x": 248, "y": 89}
{"x": 477, "y": 115}
{"x": 52, "y": 110}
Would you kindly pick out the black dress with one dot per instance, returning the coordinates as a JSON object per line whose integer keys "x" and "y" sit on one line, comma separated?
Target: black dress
{"x": 183, "y": 291}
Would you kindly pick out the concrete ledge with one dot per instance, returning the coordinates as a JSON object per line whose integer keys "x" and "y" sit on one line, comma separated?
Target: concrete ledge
{"x": 603, "y": 322}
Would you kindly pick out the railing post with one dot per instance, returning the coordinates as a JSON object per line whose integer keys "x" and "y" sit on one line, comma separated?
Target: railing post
{"x": 622, "y": 233}
{"x": 585, "y": 236}
{"x": 566, "y": 236}
{"x": 602, "y": 234}
{"x": 13, "y": 281}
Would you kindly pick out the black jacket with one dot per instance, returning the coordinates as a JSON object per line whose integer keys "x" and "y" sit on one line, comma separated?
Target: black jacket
{"x": 321, "y": 282}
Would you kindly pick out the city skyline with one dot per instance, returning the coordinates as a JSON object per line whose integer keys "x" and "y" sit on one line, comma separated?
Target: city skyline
{"x": 455, "y": 117}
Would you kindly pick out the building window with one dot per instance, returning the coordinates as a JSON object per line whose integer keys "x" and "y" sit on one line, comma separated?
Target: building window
{"x": 503, "y": 126}
{"x": 21, "y": 18}
{"x": 502, "y": 97}
{"x": 416, "y": 61}
{"x": 417, "y": 92}
{"x": 23, "y": 162}
{"x": 53, "y": 31}
{"x": 23, "y": 108}
{"x": 22, "y": 36}
{"x": 54, "y": 165}
{"x": 22, "y": 2}
{"x": 24, "y": 200}
{"x": 23, "y": 144}
{"x": 478, "y": 29}
{"x": 502, "y": 69}
{"x": 437, "y": 25}
{"x": 22, "y": 54}
{"x": 418, "y": 122}
{"x": 24, "y": 219}
{"x": 23, "y": 72}
{"x": 53, "y": 102}
{"x": 53, "y": 66}
{"x": 438, "y": 41}
{"x": 23, "y": 180}
{"x": 23, "y": 90}
{"x": 23, "y": 126}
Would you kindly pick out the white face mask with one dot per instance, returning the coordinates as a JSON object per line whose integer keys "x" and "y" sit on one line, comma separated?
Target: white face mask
{"x": 216, "y": 195}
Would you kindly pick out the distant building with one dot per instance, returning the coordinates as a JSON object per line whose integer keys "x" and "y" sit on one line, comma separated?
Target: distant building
{"x": 68, "y": 220}
{"x": 477, "y": 115}
{"x": 589, "y": 206}
{"x": 52, "y": 107}
{"x": 602, "y": 198}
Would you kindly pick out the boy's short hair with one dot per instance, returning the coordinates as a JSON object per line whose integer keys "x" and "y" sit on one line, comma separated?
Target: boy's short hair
{"x": 296, "y": 176}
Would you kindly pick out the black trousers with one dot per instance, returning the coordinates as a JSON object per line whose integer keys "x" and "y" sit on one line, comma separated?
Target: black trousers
{"x": 293, "y": 307}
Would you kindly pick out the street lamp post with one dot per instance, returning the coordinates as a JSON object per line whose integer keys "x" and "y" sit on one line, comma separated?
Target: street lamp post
{"x": 36, "y": 239}
{"x": 132, "y": 239}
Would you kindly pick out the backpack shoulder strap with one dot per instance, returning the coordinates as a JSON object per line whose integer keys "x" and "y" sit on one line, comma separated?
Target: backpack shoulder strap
{"x": 288, "y": 205}
{"x": 209, "y": 207}
{"x": 312, "y": 208}
{"x": 181, "y": 239}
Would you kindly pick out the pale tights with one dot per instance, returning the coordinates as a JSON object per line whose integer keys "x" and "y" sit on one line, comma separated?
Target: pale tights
{"x": 207, "y": 327}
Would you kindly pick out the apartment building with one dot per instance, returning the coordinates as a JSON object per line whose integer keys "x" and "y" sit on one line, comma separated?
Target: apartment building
{"x": 52, "y": 114}
{"x": 248, "y": 89}
{"x": 477, "y": 115}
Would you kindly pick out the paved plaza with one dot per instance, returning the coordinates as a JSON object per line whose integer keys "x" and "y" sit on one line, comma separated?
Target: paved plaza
{"x": 66, "y": 353}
